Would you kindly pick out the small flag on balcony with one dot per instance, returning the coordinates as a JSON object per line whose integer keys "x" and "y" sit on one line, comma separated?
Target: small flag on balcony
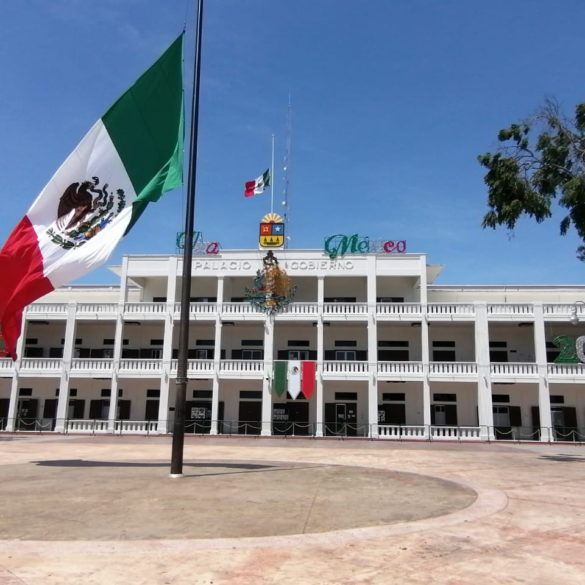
{"x": 294, "y": 376}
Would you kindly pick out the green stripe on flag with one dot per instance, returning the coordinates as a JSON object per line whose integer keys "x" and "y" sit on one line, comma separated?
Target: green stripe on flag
{"x": 280, "y": 371}
{"x": 146, "y": 127}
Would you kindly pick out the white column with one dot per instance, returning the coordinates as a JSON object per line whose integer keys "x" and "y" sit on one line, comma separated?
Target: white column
{"x": 484, "y": 379}
{"x": 546, "y": 433}
{"x": 68, "y": 345}
{"x": 167, "y": 355}
{"x": 319, "y": 408}
{"x": 217, "y": 360}
{"x": 267, "y": 379}
{"x": 118, "y": 336}
{"x": 425, "y": 350}
{"x": 372, "y": 349}
{"x": 123, "y": 298}
{"x": 13, "y": 405}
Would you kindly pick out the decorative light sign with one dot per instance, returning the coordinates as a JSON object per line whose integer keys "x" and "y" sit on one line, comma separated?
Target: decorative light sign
{"x": 200, "y": 247}
{"x": 572, "y": 350}
{"x": 340, "y": 244}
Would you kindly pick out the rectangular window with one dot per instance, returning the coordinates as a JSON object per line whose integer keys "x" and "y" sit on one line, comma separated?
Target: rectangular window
{"x": 31, "y": 341}
{"x": 392, "y": 343}
{"x": 203, "y": 394}
{"x": 108, "y": 341}
{"x": 340, "y": 299}
{"x": 73, "y": 392}
{"x": 505, "y": 398}
{"x": 25, "y": 392}
{"x": 154, "y": 393}
{"x": 444, "y": 397}
{"x": 498, "y": 351}
{"x": 56, "y": 352}
{"x": 33, "y": 352}
{"x": 346, "y": 396}
{"x": 441, "y": 351}
{"x": 345, "y": 343}
{"x": 209, "y": 342}
{"x": 557, "y": 399}
{"x": 252, "y": 343}
{"x": 394, "y": 397}
{"x": 106, "y": 392}
{"x": 156, "y": 341}
{"x": 203, "y": 299}
{"x": 251, "y": 394}
{"x": 78, "y": 341}
{"x": 252, "y": 354}
{"x": 501, "y": 416}
{"x": 298, "y": 354}
{"x": 389, "y": 299}
{"x": 159, "y": 299}
{"x": 345, "y": 355}
{"x": 552, "y": 352}
{"x": 298, "y": 343}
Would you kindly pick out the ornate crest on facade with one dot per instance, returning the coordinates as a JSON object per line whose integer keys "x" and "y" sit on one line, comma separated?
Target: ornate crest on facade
{"x": 273, "y": 289}
{"x": 84, "y": 210}
{"x": 272, "y": 231}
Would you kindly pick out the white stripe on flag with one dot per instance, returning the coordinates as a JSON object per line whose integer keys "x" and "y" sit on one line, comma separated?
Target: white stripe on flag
{"x": 294, "y": 378}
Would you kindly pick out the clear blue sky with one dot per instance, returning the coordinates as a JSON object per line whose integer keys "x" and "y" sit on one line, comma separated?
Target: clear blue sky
{"x": 392, "y": 102}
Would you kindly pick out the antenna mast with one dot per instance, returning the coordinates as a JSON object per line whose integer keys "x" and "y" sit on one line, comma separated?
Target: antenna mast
{"x": 287, "y": 167}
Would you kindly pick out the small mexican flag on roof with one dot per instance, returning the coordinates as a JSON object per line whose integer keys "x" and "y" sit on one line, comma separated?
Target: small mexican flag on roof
{"x": 129, "y": 158}
{"x": 294, "y": 376}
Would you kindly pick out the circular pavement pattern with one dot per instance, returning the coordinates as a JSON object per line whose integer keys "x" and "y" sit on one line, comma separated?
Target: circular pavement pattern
{"x": 102, "y": 500}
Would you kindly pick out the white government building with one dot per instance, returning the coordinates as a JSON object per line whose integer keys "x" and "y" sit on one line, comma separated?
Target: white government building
{"x": 398, "y": 357}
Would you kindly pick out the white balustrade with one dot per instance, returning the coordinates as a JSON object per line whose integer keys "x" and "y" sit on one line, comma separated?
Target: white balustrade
{"x": 342, "y": 367}
{"x": 41, "y": 364}
{"x": 400, "y": 368}
{"x": 239, "y": 309}
{"x": 140, "y": 365}
{"x": 241, "y": 367}
{"x": 452, "y": 433}
{"x": 345, "y": 309}
{"x": 513, "y": 369}
{"x": 92, "y": 365}
{"x": 87, "y": 426}
{"x": 138, "y": 427}
{"x": 398, "y": 309}
{"x": 198, "y": 366}
{"x": 563, "y": 310}
{"x": 453, "y": 368}
{"x": 96, "y": 308}
{"x": 54, "y": 308}
{"x": 145, "y": 308}
{"x": 6, "y": 364}
{"x": 398, "y": 432}
{"x": 566, "y": 370}
{"x": 311, "y": 309}
{"x": 450, "y": 309}
{"x": 510, "y": 309}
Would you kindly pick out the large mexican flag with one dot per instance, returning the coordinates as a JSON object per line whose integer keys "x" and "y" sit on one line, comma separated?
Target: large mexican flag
{"x": 294, "y": 377}
{"x": 130, "y": 157}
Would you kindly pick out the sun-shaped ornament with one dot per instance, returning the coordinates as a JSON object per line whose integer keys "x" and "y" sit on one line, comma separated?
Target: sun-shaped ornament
{"x": 273, "y": 289}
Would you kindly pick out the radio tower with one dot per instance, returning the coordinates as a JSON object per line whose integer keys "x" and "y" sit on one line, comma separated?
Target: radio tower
{"x": 286, "y": 171}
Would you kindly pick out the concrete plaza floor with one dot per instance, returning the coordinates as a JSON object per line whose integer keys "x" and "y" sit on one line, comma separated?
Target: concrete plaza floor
{"x": 88, "y": 510}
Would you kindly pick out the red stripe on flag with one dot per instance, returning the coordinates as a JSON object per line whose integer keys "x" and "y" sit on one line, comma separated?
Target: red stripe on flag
{"x": 23, "y": 281}
{"x": 308, "y": 378}
{"x": 250, "y": 186}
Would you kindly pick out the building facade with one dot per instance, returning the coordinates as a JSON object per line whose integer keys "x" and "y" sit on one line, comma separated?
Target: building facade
{"x": 397, "y": 357}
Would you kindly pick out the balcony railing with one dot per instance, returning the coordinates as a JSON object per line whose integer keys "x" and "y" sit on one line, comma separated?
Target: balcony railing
{"x": 439, "y": 310}
{"x": 510, "y": 310}
{"x": 91, "y": 366}
{"x": 242, "y": 367}
{"x": 566, "y": 370}
{"x": 140, "y": 366}
{"x": 40, "y": 364}
{"x": 455, "y": 433}
{"x": 145, "y": 308}
{"x": 398, "y": 310}
{"x": 398, "y": 432}
{"x": 342, "y": 367}
{"x": 345, "y": 309}
{"x": 513, "y": 369}
{"x": 452, "y": 368}
{"x": 400, "y": 368}
{"x": 6, "y": 365}
{"x": 47, "y": 308}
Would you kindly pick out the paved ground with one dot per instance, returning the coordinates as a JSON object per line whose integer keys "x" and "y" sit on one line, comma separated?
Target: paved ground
{"x": 261, "y": 511}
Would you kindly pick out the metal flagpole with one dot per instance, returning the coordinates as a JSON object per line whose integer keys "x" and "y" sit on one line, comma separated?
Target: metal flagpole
{"x": 181, "y": 387}
{"x": 272, "y": 178}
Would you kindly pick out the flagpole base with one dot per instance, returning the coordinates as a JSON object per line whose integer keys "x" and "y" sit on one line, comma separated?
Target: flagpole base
{"x": 176, "y": 475}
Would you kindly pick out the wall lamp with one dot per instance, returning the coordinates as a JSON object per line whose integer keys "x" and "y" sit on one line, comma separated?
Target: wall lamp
{"x": 574, "y": 319}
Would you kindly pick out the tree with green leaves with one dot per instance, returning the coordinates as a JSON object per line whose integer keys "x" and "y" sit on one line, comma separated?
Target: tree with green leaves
{"x": 541, "y": 161}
